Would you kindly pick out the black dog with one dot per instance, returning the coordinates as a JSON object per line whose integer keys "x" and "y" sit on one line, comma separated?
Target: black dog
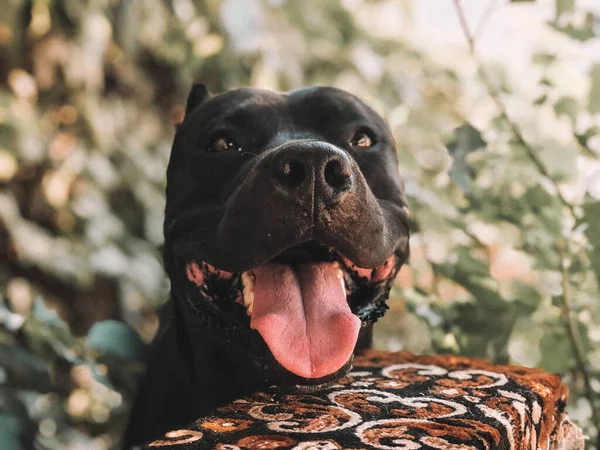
{"x": 285, "y": 225}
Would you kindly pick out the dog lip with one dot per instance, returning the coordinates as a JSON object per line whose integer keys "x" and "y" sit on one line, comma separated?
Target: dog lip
{"x": 202, "y": 275}
{"x": 311, "y": 251}
{"x": 292, "y": 256}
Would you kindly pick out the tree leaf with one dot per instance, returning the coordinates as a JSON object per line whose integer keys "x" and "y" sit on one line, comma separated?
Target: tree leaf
{"x": 563, "y": 6}
{"x": 579, "y": 33}
{"x": 116, "y": 339}
{"x": 17, "y": 430}
{"x": 594, "y": 95}
{"x": 466, "y": 139}
{"x": 592, "y": 220}
{"x": 555, "y": 352}
{"x": 567, "y": 106}
{"x": 10, "y": 432}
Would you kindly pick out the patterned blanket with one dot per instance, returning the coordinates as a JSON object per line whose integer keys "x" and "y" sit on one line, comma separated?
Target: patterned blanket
{"x": 398, "y": 401}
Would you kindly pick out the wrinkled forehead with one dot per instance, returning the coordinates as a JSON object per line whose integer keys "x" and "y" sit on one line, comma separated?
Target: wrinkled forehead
{"x": 243, "y": 105}
{"x": 300, "y": 108}
{"x": 326, "y": 104}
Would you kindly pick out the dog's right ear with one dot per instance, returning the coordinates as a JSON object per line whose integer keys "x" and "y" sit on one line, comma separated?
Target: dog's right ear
{"x": 198, "y": 95}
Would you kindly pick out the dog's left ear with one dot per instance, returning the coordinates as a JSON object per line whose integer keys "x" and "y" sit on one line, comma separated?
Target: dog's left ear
{"x": 198, "y": 95}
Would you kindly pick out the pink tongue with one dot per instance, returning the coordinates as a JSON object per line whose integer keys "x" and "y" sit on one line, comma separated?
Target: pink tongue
{"x": 304, "y": 317}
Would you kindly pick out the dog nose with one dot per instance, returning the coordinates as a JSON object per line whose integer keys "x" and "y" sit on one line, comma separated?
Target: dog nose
{"x": 313, "y": 165}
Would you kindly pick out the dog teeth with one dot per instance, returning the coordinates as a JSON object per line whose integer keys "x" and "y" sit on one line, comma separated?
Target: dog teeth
{"x": 248, "y": 294}
{"x": 339, "y": 273}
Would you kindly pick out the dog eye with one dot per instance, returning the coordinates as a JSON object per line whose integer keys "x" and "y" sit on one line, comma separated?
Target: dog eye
{"x": 362, "y": 139}
{"x": 222, "y": 144}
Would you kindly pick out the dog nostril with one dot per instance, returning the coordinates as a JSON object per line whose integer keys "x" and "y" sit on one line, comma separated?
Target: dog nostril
{"x": 290, "y": 173}
{"x": 337, "y": 175}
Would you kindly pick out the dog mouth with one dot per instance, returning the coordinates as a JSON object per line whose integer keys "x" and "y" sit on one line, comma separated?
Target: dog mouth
{"x": 308, "y": 304}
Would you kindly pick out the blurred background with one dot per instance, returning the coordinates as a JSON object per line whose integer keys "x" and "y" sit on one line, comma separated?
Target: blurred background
{"x": 495, "y": 106}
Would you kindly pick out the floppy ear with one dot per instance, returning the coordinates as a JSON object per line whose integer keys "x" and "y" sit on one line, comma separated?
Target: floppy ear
{"x": 198, "y": 95}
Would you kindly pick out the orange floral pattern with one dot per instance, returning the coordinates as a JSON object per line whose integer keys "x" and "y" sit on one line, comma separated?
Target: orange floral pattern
{"x": 396, "y": 401}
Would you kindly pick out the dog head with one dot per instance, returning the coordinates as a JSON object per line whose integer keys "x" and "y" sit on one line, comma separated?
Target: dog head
{"x": 286, "y": 223}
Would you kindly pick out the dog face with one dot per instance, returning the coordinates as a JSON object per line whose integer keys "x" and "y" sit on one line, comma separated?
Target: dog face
{"x": 286, "y": 223}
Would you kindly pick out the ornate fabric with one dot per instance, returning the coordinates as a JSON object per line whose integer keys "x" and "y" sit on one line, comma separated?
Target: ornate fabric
{"x": 398, "y": 401}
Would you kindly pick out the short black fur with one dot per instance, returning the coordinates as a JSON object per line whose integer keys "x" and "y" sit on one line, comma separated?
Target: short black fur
{"x": 231, "y": 210}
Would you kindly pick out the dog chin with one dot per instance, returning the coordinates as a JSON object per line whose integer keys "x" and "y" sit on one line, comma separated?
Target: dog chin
{"x": 307, "y": 304}
{"x": 296, "y": 384}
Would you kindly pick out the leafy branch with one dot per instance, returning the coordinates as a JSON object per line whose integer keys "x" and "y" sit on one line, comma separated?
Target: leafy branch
{"x": 503, "y": 110}
{"x": 574, "y": 337}
{"x": 566, "y": 299}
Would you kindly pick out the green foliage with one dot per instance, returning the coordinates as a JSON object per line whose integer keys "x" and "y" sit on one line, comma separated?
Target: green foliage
{"x": 506, "y": 201}
{"x": 116, "y": 339}
{"x": 594, "y": 97}
{"x": 10, "y": 430}
{"x": 592, "y": 232}
{"x": 564, "y": 6}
